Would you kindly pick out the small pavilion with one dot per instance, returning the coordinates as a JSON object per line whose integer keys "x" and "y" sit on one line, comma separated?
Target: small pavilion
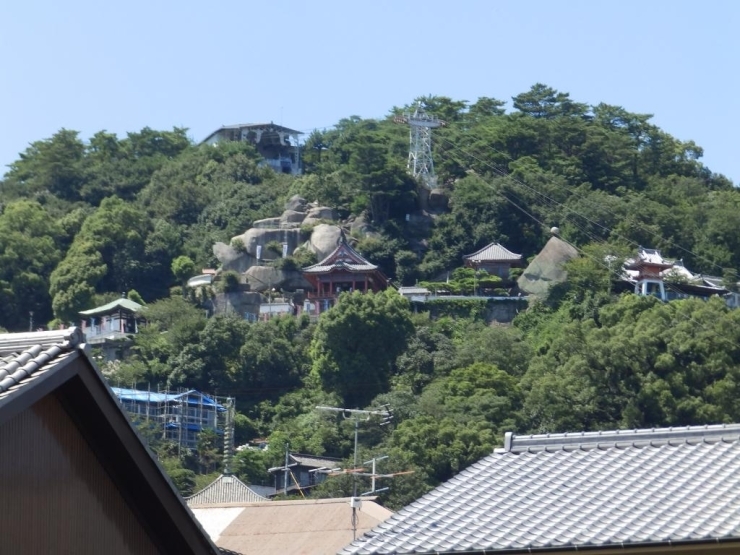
{"x": 344, "y": 270}
{"x": 109, "y": 326}
{"x": 494, "y": 259}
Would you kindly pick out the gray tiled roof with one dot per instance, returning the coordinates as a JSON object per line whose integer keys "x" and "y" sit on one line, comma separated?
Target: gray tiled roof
{"x": 323, "y": 268}
{"x": 342, "y": 257}
{"x": 578, "y": 491}
{"x": 493, "y": 252}
{"x": 23, "y": 354}
{"x": 225, "y": 489}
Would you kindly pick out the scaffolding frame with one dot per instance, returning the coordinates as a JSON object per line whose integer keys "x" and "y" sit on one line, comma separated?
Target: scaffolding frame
{"x": 180, "y": 418}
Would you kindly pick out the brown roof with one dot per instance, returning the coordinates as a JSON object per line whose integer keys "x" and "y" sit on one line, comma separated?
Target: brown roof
{"x": 310, "y": 527}
{"x": 39, "y": 364}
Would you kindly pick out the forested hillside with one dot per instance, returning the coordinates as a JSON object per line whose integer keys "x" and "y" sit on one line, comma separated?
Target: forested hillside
{"x": 84, "y": 220}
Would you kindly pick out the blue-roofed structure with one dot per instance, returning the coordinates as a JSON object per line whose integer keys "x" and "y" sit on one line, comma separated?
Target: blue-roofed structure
{"x": 182, "y": 415}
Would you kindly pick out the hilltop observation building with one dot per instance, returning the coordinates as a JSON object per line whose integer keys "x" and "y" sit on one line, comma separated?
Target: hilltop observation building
{"x": 277, "y": 145}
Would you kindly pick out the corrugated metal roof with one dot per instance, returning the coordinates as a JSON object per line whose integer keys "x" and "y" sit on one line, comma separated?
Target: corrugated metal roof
{"x": 191, "y": 397}
{"x": 573, "y": 491}
{"x": 310, "y": 527}
{"x": 492, "y": 253}
{"x": 314, "y": 461}
{"x": 225, "y": 489}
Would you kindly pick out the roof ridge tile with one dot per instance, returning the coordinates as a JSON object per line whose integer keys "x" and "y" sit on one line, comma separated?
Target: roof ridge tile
{"x": 638, "y": 438}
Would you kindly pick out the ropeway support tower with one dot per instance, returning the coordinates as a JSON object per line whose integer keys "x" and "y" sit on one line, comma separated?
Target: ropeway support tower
{"x": 421, "y": 164}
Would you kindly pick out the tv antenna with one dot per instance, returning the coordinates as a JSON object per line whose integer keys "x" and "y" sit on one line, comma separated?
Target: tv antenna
{"x": 421, "y": 164}
{"x": 356, "y": 416}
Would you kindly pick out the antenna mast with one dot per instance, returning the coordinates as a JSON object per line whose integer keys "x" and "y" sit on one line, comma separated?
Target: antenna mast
{"x": 356, "y": 415}
{"x": 421, "y": 164}
{"x": 228, "y": 435}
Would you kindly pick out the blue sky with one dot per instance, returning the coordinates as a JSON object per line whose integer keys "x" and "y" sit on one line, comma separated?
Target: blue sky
{"x": 92, "y": 65}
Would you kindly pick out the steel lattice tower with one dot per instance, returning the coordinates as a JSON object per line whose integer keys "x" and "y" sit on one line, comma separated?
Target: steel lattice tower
{"x": 421, "y": 164}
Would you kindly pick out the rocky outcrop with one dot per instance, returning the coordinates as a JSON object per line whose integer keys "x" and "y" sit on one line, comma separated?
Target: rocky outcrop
{"x": 319, "y": 214}
{"x": 547, "y": 268}
{"x": 285, "y": 229}
{"x": 241, "y": 303}
{"x": 265, "y": 278}
{"x": 296, "y": 203}
{"x": 292, "y": 217}
{"x": 262, "y": 237}
{"x": 361, "y": 225}
{"x": 232, "y": 259}
{"x": 267, "y": 223}
{"x": 324, "y": 239}
{"x": 438, "y": 199}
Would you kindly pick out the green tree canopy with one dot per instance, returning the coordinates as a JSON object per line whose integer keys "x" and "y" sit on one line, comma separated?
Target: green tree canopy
{"x": 356, "y": 344}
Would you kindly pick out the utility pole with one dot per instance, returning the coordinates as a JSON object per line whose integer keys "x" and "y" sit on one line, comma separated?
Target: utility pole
{"x": 357, "y": 415}
{"x": 285, "y": 477}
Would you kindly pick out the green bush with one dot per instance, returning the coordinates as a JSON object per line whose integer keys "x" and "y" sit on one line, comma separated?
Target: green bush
{"x": 229, "y": 281}
{"x": 238, "y": 245}
{"x": 275, "y": 247}
{"x": 287, "y": 264}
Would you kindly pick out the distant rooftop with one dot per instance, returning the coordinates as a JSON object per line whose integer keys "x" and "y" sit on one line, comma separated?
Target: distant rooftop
{"x": 494, "y": 252}
{"x": 122, "y": 304}
{"x": 270, "y": 126}
{"x": 191, "y": 397}
{"x": 225, "y": 489}
{"x": 546, "y": 493}
{"x": 301, "y": 527}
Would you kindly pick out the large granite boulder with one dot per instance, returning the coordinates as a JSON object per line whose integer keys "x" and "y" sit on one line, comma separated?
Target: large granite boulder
{"x": 255, "y": 237}
{"x": 264, "y": 278}
{"x": 242, "y": 303}
{"x": 232, "y": 259}
{"x": 547, "y": 268}
{"x": 438, "y": 199}
{"x": 324, "y": 240}
{"x": 361, "y": 225}
{"x": 317, "y": 214}
{"x": 292, "y": 217}
{"x": 297, "y": 203}
{"x": 267, "y": 223}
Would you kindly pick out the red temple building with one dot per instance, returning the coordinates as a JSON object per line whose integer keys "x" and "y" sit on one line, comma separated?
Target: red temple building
{"x": 344, "y": 270}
